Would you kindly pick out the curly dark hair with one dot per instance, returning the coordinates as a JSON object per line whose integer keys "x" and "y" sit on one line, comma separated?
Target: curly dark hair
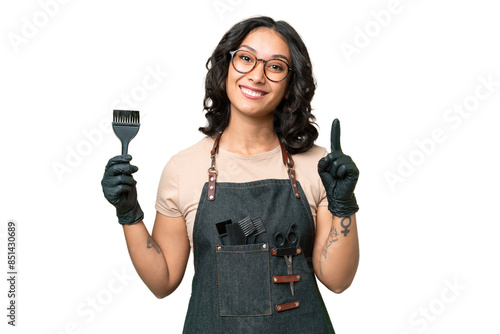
{"x": 293, "y": 120}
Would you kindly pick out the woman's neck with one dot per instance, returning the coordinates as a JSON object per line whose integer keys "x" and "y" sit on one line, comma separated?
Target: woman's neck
{"x": 249, "y": 138}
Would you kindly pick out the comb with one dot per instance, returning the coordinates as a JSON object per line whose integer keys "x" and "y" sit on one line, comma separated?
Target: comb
{"x": 258, "y": 225}
{"x": 258, "y": 229}
{"x": 247, "y": 226}
{"x": 125, "y": 125}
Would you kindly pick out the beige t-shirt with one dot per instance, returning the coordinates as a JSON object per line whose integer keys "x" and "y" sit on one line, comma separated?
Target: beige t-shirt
{"x": 185, "y": 174}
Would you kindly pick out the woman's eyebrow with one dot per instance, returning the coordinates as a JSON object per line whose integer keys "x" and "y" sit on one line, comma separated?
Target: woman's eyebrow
{"x": 273, "y": 56}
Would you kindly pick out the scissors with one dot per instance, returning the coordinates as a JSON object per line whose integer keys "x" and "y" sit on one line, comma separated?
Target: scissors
{"x": 290, "y": 240}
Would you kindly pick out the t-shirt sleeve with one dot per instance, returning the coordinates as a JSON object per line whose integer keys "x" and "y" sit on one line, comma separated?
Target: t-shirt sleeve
{"x": 167, "y": 198}
{"x": 323, "y": 201}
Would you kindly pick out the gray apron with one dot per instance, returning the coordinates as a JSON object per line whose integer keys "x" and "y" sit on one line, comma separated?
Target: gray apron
{"x": 240, "y": 288}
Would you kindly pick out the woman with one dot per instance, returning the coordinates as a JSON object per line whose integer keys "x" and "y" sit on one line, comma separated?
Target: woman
{"x": 264, "y": 222}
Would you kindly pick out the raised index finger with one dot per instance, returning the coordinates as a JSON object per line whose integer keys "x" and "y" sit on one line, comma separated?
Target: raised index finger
{"x": 335, "y": 136}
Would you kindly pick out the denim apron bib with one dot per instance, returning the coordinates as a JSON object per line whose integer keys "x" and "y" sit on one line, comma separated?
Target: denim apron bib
{"x": 246, "y": 288}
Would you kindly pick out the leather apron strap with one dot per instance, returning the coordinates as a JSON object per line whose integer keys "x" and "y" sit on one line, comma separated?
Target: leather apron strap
{"x": 212, "y": 171}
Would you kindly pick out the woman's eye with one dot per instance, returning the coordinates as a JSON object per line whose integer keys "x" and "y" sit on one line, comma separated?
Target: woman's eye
{"x": 276, "y": 67}
{"x": 246, "y": 59}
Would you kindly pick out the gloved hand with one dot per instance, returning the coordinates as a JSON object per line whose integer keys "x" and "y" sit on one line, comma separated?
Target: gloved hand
{"x": 339, "y": 175}
{"x": 119, "y": 189}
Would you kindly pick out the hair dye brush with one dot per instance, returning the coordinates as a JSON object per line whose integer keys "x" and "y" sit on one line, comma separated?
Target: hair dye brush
{"x": 125, "y": 125}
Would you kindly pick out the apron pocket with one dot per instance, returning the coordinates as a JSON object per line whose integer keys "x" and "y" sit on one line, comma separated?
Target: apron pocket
{"x": 243, "y": 278}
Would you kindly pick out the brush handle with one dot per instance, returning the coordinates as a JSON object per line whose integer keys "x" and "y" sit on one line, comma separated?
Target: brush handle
{"x": 125, "y": 147}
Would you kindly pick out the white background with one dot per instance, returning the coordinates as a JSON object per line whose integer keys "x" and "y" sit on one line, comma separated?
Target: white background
{"x": 437, "y": 226}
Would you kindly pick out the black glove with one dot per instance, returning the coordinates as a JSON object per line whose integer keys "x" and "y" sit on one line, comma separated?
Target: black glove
{"x": 119, "y": 189}
{"x": 339, "y": 175}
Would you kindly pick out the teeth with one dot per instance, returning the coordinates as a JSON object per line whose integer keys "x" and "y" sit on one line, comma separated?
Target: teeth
{"x": 251, "y": 92}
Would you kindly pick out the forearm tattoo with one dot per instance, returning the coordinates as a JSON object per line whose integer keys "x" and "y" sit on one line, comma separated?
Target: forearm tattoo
{"x": 332, "y": 237}
{"x": 346, "y": 227}
{"x": 152, "y": 244}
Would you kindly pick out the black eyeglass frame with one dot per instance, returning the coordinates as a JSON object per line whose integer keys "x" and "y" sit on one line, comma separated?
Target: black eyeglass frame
{"x": 289, "y": 69}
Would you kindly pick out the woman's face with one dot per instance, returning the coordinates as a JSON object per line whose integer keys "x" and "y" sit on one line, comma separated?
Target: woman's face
{"x": 251, "y": 93}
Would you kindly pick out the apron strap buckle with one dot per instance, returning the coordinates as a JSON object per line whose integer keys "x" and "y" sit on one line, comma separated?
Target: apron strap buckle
{"x": 212, "y": 179}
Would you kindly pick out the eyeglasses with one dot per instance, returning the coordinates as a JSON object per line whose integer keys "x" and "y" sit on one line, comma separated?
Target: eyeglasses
{"x": 245, "y": 61}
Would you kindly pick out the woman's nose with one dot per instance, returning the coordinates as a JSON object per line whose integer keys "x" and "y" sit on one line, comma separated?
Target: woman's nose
{"x": 257, "y": 74}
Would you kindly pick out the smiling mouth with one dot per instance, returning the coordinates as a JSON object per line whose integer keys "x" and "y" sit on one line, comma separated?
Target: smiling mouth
{"x": 252, "y": 93}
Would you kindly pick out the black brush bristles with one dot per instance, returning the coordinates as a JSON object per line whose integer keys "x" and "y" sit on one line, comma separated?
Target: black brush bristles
{"x": 125, "y": 125}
